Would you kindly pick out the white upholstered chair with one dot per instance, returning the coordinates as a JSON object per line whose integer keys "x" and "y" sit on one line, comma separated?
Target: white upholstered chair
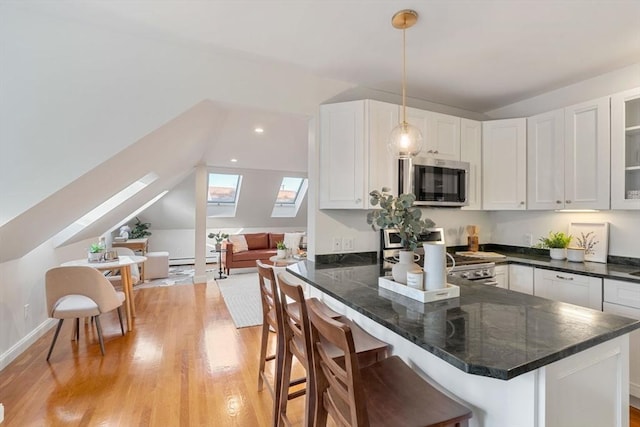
{"x": 75, "y": 292}
{"x": 116, "y": 279}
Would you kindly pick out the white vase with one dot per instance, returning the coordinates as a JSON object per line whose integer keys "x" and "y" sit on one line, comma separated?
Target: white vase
{"x": 405, "y": 263}
{"x": 281, "y": 253}
{"x": 557, "y": 253}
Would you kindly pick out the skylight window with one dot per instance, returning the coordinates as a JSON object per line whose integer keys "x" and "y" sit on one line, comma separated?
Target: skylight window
{"x": 289, "y": 190}
{"x": 102, "y": 209}
{"x": 290, "y": 197}
{"x": 223, "y": 188}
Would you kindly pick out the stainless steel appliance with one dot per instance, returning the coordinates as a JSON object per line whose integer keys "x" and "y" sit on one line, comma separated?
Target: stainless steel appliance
{"x": 470, "y": 268}
{"x": 435, "y": 182}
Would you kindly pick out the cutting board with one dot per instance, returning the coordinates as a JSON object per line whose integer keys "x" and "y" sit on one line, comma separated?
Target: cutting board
{"x": 481, "y": 254}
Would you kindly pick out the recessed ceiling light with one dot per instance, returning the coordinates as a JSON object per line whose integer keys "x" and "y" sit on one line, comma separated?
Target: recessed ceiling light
{"x": 258, "y": 130}
{"x": 234, "y": 160}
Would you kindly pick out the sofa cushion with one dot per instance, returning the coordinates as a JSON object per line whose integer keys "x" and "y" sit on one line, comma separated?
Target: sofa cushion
{"x": 275, "y": 238}
{"x": 254, "y": 255}
{"x": 239, "y": 243}
{"x": 292, "y": 240}
{"x": 257, "y": 241}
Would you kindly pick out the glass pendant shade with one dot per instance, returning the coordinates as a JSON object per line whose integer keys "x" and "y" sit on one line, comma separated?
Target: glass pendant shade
{"x": 405, "y": 141}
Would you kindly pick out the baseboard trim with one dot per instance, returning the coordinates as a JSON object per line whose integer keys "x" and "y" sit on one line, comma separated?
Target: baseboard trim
{"x": 18, "y": 348}
{"x": 190, "y": 261}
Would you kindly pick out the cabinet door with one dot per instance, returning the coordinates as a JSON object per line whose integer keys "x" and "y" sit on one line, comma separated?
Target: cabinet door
{"x": 343, "y": 157}
{"x": 504, "y": 164}
{"x": 625, "y": 150}
{"x": 545, "y": 161}
{"x": 521, "y": 278}
{"x": 634, "y": 343}
{"x": 380, "y": 120}
{"x": 587, "y": 154}
{"x": 471, "y": 151}
{"x": 502, "y": 276}
{"x": 443, "y": 134}
{"x": 572, "y": 288}
{"x": 420, "y": 119}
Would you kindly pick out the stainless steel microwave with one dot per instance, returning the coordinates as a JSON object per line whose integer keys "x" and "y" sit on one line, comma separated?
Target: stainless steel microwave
{"x": 435, "y": 182}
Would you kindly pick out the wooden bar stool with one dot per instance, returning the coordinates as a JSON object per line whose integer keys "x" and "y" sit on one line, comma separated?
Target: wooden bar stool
{"x": 271, "y": 319}
{"x": 297, "y": 342}
{"x": 386, "y": 393}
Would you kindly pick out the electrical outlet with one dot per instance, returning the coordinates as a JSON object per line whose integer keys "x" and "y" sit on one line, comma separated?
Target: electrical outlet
{"x": 528, "y": 239}
{"x": 347, "y": 243}
{"x": 337, "y": 244}
{"x": 26, "y": 311}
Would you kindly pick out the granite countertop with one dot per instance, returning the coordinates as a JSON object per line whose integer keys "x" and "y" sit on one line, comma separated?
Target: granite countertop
{"x": 594, "y": 269}
{"x": 487, "y": 331}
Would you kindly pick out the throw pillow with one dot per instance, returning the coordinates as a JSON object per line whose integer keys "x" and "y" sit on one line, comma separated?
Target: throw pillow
{"x": 239, "y": 243}
{"x": 292, "y": 240}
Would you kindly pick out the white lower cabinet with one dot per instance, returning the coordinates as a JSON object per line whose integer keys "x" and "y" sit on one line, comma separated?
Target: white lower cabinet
{"x": 521, "y": 278}
{"x": 502, "y": 276}
{"x": 575, "y": 289}
{"x": 623, "y": 299}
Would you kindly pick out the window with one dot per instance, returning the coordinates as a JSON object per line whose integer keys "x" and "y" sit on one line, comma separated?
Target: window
{"x": 289, "y": 190}
{"x": 290, "y": 197}
{"x": 223, "y": 188}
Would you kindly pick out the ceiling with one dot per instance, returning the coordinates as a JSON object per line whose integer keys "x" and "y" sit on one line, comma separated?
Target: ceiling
{"x": 477, "y": 55}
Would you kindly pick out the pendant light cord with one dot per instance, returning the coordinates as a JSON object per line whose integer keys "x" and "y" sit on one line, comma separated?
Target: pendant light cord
{"x": 404, "y": 75}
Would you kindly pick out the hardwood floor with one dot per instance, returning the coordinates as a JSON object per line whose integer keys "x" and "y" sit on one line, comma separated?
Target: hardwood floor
{"x": 184, "y": 364}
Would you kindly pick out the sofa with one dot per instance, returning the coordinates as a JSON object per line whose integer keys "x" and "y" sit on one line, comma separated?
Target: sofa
{"x": 260, "y": 246}
{"x": 243, "y": 250}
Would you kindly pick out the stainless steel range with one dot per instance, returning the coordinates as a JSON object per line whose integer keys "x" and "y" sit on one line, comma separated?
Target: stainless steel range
{"x": 475, "y": 269}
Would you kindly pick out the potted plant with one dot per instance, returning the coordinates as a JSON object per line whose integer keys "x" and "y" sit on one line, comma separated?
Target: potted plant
{"x": 557, "y": 244}
{"x": 219, "y": 237}
{"x": 399, "y": 212}
{"x": 281, "y": 250}
{"x": 140, "y": 229}
{"x": 95, "y": 252}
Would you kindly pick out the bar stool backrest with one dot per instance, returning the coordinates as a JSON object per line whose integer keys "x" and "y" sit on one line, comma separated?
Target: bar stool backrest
{"x": 295, "y": 320}
{"x": 338, "y": 386}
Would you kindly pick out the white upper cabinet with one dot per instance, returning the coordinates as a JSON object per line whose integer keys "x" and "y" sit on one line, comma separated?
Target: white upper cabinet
{"x": 568, "y": 157}
{"x": 625, "y": 150}
{"x": 440, "y": 133}
{"x": 471, "y": 151}
{"x": 587, "y": 155}
{"x": 545, "y": 161}
{"x": 504, "y": 164}
{"x": 353, "y": 152}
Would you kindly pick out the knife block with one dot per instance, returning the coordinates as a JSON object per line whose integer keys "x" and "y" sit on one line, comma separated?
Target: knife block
{"x": 472, "y": 242}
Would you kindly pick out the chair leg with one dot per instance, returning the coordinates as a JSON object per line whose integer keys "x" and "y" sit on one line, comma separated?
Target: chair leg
{"x": 77, "y": 329}
{"x": 264, "y": 341}
{"x": 281, "y": 407}
{"x": 55, "y": 337}
{"x": 99, "y": 328}
{"x": 120, "y": 317}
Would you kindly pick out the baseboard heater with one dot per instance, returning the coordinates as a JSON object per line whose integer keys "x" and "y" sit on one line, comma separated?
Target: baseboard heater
{"x": 189, "y": 261}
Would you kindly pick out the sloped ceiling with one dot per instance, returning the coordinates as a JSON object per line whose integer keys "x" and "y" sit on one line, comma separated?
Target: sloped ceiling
{"x": 478, "y": 55}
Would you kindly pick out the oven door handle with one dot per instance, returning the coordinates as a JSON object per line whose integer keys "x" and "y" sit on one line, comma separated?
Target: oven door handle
{"x": 490, "y": 283}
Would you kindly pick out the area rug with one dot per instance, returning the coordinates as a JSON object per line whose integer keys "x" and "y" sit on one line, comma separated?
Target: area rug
{"x": 241, "y": 294}
{"x": 178, "y": 275}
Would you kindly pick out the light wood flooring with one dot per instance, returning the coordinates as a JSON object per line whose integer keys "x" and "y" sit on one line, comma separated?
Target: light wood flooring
{"x": 184, "y": 364}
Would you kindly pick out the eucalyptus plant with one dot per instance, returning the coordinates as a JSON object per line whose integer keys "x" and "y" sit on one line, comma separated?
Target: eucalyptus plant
{"x": 398, "y": 212}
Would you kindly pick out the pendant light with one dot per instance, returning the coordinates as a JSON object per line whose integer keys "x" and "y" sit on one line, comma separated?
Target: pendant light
{"x": 405, "y": 140}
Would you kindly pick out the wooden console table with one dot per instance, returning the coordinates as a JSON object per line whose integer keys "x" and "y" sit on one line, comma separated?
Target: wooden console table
{"x": 141, "y": 245}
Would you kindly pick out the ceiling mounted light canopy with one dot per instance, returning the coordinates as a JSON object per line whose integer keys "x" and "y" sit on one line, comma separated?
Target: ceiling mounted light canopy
{"x": 405, "y": 140}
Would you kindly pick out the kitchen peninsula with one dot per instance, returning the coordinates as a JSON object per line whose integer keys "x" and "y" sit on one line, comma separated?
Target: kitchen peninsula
{"x": 515, "y": 359}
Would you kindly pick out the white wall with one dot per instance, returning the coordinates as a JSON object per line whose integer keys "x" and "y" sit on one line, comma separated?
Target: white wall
{"x": 510, "y": 228}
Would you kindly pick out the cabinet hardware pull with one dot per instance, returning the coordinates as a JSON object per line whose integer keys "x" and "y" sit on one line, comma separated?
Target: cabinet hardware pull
{"x": 435, "y": 152}
{"x": 430, "y": 151}
{"x": 521, "y": 203}
{"x": 358, "y": 200}
{"x": 567, "y": 201}
{"x": 563, "y": 278}
{"x": 558, "y": 202}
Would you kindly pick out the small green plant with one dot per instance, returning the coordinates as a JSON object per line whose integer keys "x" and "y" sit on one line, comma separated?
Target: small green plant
{"x": 398, "y": 212}
{"x": 219, "y": 237}
{"x": 555, "y": 240}
{"x": 140, "y": 229}
{"x": 281, "y": 246}
{"x": 95, "y": 248}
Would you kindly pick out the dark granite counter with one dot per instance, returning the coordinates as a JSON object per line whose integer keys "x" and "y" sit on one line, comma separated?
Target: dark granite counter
{"x": 487, "y": 331}
{"x": 594, "y": 269}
